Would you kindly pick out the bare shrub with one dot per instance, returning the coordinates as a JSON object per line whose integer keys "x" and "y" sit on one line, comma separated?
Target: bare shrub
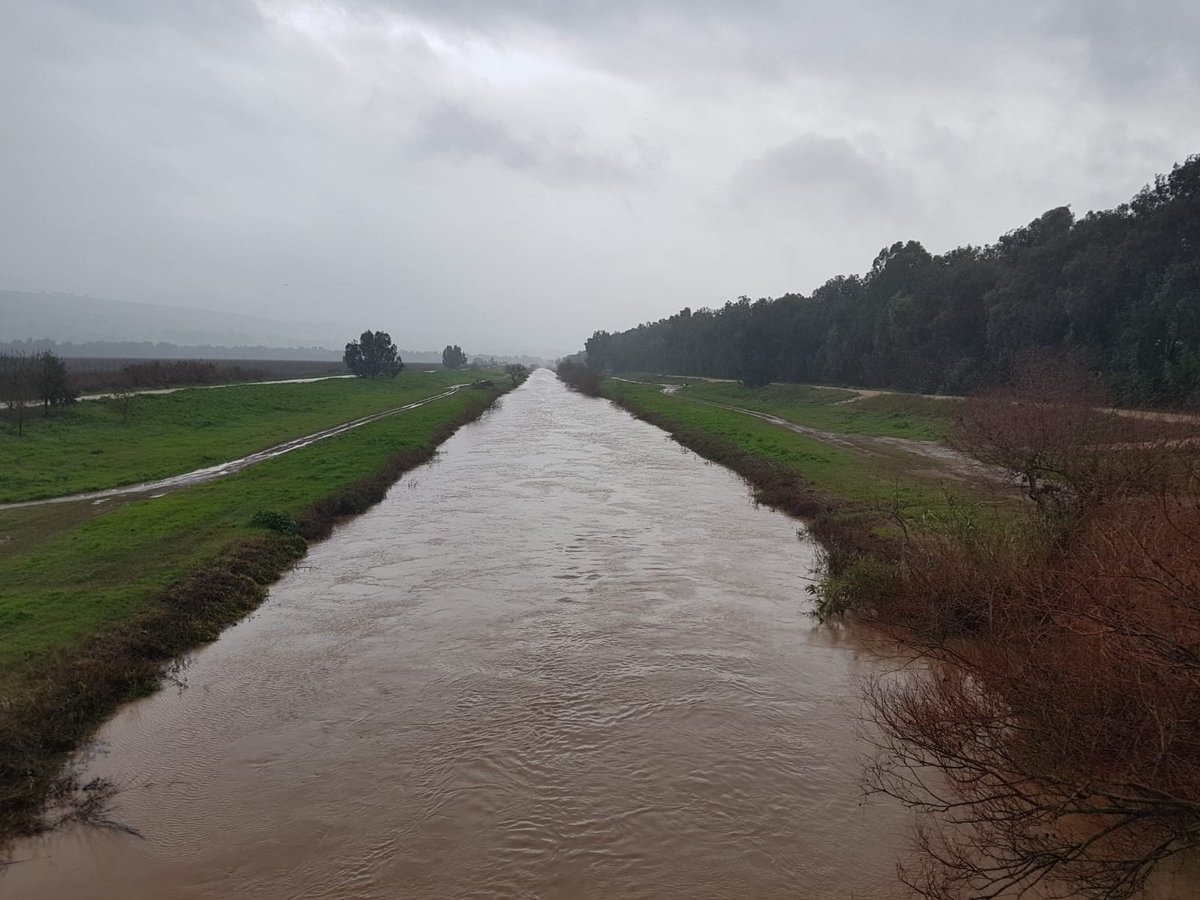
{"x": 1053, "y": 741}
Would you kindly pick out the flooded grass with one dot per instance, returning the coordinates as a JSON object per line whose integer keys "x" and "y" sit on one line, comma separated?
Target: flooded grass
{"x": 88, "y": 447}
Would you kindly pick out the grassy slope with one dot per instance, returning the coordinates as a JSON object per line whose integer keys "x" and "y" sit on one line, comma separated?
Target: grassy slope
{"x": 844, "y": 477}
{"x": 92, "y": 610}
{"x": 887, "y": 415}
{"x": 87, "y": 447}
{"x": 101, "y": 571}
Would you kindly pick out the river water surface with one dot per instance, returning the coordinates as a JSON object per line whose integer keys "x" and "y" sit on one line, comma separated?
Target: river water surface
{"x": 568, "y": 659}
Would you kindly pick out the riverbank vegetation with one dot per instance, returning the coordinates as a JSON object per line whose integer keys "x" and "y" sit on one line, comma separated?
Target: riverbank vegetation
{"x": 1049, "y": 735}
{"x": 92, "y": 611}
{"x": 133, "y": 438}
{"x": 1053, "y": 737}
{"x": 1116, "y": 288}
{"x": 839, "y": 410}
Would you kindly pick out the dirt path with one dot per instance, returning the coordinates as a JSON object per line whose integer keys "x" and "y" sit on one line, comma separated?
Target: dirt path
{"x": 212, "y": 387}
{"x": 927, "y": 459}
{"x": 163, "y": 486}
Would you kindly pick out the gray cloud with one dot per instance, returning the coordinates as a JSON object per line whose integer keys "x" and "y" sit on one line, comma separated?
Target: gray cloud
{"x": 451, "y": 132}
{"x": 511, "y": 175}
{"x": 818, "y": 170}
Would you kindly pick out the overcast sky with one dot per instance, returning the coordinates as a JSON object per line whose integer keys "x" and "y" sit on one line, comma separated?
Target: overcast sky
{"x": 512, "y": 176}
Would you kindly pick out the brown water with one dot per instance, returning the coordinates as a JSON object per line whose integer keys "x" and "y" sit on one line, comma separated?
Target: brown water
{"x": 566, "y": 660}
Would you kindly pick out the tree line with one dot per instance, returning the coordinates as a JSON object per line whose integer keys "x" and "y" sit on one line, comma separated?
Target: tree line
{"x": 29, "y": 381}
{"x": 1118, "y": 289}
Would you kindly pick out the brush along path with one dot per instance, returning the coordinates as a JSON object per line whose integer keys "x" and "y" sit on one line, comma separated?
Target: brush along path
{"x": 90, "y": 614}
{"x": 100, "y": 445}
{"x": 164, "y": 486}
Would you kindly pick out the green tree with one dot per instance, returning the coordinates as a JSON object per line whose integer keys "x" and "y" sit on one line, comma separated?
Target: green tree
{"x": 18, "y": 386}
{"x": 49, "y": 374}
{"x": 453, "y": 357}
{"x": 372, "y": 355}
{"x": 516, "y": 372}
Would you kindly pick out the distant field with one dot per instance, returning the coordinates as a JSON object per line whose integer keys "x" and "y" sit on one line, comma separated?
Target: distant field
{"x": 91, "y": 375}
{"x": 276, "y": 368}
{"x": 88, "y": 447}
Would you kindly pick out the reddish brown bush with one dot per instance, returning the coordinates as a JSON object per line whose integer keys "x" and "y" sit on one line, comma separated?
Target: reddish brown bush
{"x": 1053, "y": 735}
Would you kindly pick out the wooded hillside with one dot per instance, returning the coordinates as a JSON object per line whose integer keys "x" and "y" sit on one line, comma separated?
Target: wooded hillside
{"x": 1119, "y": 288}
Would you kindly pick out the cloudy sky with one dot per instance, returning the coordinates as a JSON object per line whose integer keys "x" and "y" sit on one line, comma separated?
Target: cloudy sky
{"x": 512, "y": 176}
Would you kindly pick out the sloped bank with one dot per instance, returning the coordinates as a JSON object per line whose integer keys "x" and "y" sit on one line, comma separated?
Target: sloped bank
{"x": 851, "y": 523}
{"x": 1049, "y": 728}
{"x": 54, "y": 702}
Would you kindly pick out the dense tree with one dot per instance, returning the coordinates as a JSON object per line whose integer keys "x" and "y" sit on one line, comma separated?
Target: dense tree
{"x": 1118, "y": 289}
{"x": 18, "y": 386}
{"x": 49, "y": 375}
{"x": 516, "y": 372}
{"x": 372, "y": 355}
{"x": 27, "y": 380}
{"x": 453, "y": 357}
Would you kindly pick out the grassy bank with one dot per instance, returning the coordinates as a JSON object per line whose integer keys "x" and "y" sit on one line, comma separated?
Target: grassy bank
{"x": 91, "y": 446}
{"x": 1051, "y": 727}
{"x": 91, "y": 613}
{"x": 838, "y": 410}
{"x": 858, "y": 501}
{"x": 831, "y": 478}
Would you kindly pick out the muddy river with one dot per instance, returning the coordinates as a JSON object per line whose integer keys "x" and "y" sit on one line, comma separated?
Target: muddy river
{"x": 567, "y": 659}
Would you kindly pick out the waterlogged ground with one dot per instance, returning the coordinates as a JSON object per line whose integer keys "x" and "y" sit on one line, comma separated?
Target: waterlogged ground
{"x": 567, "y": 660}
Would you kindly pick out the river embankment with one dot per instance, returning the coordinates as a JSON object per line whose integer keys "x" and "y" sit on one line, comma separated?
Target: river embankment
{"x": 97, "y": 605}
{"x": 565, "y": 660}
{"x": 1049, "y": 723}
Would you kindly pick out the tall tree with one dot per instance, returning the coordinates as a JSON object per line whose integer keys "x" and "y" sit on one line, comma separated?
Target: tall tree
{"x": 453, "y": 357}
{"x": 372, "y": 355}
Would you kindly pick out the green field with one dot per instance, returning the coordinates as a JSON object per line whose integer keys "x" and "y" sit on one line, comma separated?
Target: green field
{"x": 94, "y": 600}
{"x": 97, "y": 573}
{"x": 882, "y": 478}
{"x": 88, "y": 447}
{"x": 836, "y": 410}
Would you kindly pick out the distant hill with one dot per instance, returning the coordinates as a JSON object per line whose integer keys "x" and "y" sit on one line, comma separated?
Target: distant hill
{"x": 163, "y": 350}
{"x": 71, "y": 319}
{"x": 74, "y": 326}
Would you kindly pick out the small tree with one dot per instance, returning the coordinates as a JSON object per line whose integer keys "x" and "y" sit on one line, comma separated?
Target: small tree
{"x": 50, "y": 376}
{"x": 18, "y": 386}
{"x": 453, "y": 357}
{"x": 372, "y": 355}
{"x": 516, "y": 372}
{"x": 123, "y": 398}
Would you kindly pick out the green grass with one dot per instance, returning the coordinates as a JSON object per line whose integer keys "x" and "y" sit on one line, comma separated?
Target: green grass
{"x": 825, "y": 409}
{"x": 100, "y": 572}
{"x": 87, "y": 447}
{"x": 839, "y": 472}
